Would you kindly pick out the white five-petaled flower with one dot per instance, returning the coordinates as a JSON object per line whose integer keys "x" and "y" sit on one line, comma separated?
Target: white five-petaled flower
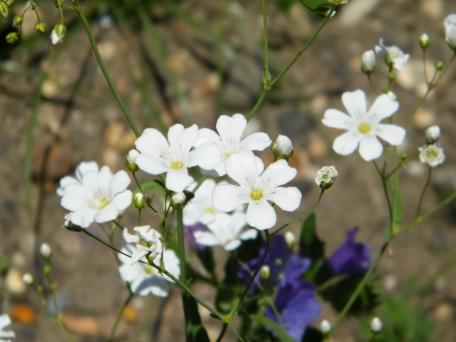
{"x": 173, "y": 156}
{"x": 228, "y": 141}
{"x": 450, "y": 30}
{"x": 257, "y": 188}
{"x": 326, "y": 176}
{"x": 226, "y": 231}
{"x": 201, "y": 208}
{"x": 364, "y": 126}
{"x": 432, "y": 155}
{"x": 5, "y": 335}
{"x": 81, "y": 169}
{"x": 394, "y": 56}
{"x": 99, "y": 196}
{"x": 145, "y": 279}
{"x": 147, "y": 241}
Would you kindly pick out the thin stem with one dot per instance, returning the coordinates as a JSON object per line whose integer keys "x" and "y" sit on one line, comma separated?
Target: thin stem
{"x": 222, "y": 332}
{"x": 128, "y": 116}
{"x": 266, "y": 72}
{"x": 381, "y": 174}
{"x": 423, "y": 192}
{"x": 426, "y": 78}
{"x": 119, "y": 316}
{"x": 320, "y": 196}
{"x": 181, "y": 243}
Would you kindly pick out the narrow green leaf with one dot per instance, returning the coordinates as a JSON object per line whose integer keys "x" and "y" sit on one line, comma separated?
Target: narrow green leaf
{"x": 320, "y": 7}
{"x": 396, "y": 204}
{"x": 194, "y": 328}
{"x": 277, "y": 329}
{"x": 152, "y": 186}
{"x": 310, "y": 245}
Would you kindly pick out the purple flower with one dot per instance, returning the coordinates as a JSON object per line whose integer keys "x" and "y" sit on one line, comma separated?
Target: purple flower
{"x": 189, "y": 235}
{"x": 295, "y": 307}
{"x": 351, "y": 257}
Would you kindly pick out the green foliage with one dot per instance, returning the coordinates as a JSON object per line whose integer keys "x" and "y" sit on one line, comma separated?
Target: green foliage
{"x": 274, "y": 327}
{"x": 396, "y": 204}
{"x": 310, "y": 245}
{"x": 194, "y": 329}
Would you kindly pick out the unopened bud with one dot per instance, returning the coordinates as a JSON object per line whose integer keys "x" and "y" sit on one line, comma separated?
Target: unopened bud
{"x": 45, "y": 250}
{"x": 424, "y": 41}
{"x": 47, "y": 271}
{"x": 265, "y": 272}
{"x": 12, "y": 37}
{"x": 439, "y": 66}
{"x": 376, "y": 325}
{"x": 283, "y": 147}
{"x": 325, "y": 326}
{"x": 139, "y": 201}
{"x": 3, "y": 9}
{"x": 326, "y": 177}
{"x": 368, "y": 62}
{"x": 58, "y": 33}
{"x": 17, "y": 21}
{"x": 27, "y": 278}
{"x": 432, "y": 134}
{"x": 41, "y": 27}
{"x": 290, "y": 239}
{"x": 131, "y": 160}
{"x": 178, "y": 199}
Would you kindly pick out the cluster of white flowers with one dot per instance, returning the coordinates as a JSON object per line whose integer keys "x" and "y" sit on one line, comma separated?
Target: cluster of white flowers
{"x": 394, "y": 57}
{"x": 6, "y": 335}
{"x": 145, "y": 247}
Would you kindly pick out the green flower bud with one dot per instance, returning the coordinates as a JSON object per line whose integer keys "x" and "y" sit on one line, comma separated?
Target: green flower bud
{"x": 12, "y": 37}
{"x": 58, "y": 33}
{"x": 41, "y": 27}
{"x": 424, "y": 41}
{"x": 3, "y": 9}
{"x": 139, "y": 201}
{"x": 265, "y": 272}
{"x": 17, "y": 21}
{"x": 439, "y": 66}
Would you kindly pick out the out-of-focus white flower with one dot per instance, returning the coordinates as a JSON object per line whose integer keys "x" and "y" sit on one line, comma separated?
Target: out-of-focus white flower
{"x": 145, "y": 279}
{"x": 432, "y": 134}
{"x": 257, "y": 188}
{"x": 424, "y": 41}
{"x": 450, "y": 30}
{"x": 364, "y": 126}
{"x": 45, "y": 250}
{"x": 368, "y": 61}
{"x": 58, "y": 33}
{"x": 216, "y": 148}
{"x": 376, "y": 325}
{"x": 81, "y": 169}
{"x": 99, "y": 196}
{"x": 394, "y": 56}
{"x": 27, "y": 278}
{"x": 290, "y": 239}
{"x": 226, "y": 231}
{"x": 178, "y": 198}
{"x": 5, "y": 335}
{"x": 325, "y": 326}
{"x": 146, "y": 241}
{"x": 173, "y": 156}
{"x": 326, "y": 176}
{"x": 201, "y": 208}
{"x": 283, "y": 147}
{"x": 432, "y": 155}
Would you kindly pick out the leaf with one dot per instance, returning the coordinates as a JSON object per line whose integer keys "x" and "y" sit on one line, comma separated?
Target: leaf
{"x": 3, "y": 9}
{"x": 274, "y": 327}
{"x": 153, "y": 186}
{"x": 396, "y": 204}
{"x": 320, "y": 7}
{"x": 310, "y": 245}
{"x": 194, "y": 328}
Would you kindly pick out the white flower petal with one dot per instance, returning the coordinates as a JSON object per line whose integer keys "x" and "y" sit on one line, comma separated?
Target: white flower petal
{"x": 65, "y": 182}
{"x": 109, "y": 213}
{"x": 355, "y": 102}
{"x": 232, "y": 245}
{"x": 383, "y": 107}
{"x": 152, "y": 165}
{"x": 392, "y": 134}
{"x": 187, "y": 140}
{"x": 175, "y": 133}
{"x": 207, "y": 135}
{"x": 75, "y": 197}
{"x": 206, "y": 156}
{"x": 277, "y": 173}
{"x": 152, "y": 143}
{"x": 370, "y": 148}
{"x": 177, "y": 180}
{"x": 228, "y": 197}
{"x": 85, "y": 167}
{"x": 287, "y": 199}
{"x": 206, "y": 238}
{"x": 346, "y": 143}
{"x": 83, "y": 217}
{"x": 243, "y": 168}
{"x": 231, "y": 128}
{"x": 123, "y": 200}
{"x": 249, "y": 234}
{"x": 256, "y": 142}
{"x": 171, "y": 263}
{"x": 119, "y": 182}
{"x": 336, "y": 119}
{"x": 261, "y": 215}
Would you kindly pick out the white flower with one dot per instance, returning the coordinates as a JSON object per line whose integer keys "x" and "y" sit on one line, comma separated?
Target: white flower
{"x": 326, "y": 176}
{"x": 173, "y": 156}
{"x": 257, "y": 188}
{"x": 100, "y": 196}
{"x": 226, "y": 231}
{"x": 376, "y": 325}
{"x": 81, "y": 169}
{"x": 325, "y": 326}
{"x": 45, "y": 250}
{"x": 146, "y": 241}
{"x": 5, "y": 336}
{"x": 283, "y": 147}
{"x": 393, "y": 55}
{"x": 219, "y": 148}
{"x": 450, "y": 30}
{"x": 27, "y": 278}
{"x": 432, "y": 134}
{"x": 368, "y": 61}
{"x": 201, "y": 208}
{"x": 363, "y": 126}
{"x": 432, "y": 155}
{"x": 145, "y": 279}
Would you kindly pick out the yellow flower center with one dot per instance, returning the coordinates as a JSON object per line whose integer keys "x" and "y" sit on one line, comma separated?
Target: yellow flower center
{"x": 210, "y": 210}
{"x": 176, "y": 165}
{"x": 227, "y": 153}
{"x": 256, "y": 194}
{"x": 364, "y": 128}
{"x": 102, "y": 202}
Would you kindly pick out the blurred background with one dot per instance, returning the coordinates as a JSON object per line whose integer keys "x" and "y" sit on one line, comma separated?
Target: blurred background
{"x": 189, "y": 61}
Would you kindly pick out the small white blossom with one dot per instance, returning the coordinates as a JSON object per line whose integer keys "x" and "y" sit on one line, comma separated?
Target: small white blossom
{"x": 290, "y": 239}
{"x": 218, "y": 147}
{"x": 363, "y": 126}
{"x": 45, "y": 250}
{"x": 146, "y": 241}
{"x": 376, "y": 325}
{"x": 6, "y": 335}
{"x": 432, "y": 155}
{"x": 81, "y": 169}
{"x": 27, "y": 278}
{"x": 450, "y": 30}
{"x": 226, "y": 231}
{"x": 283, "y": 147}
{"x": 257, "y": 188}
{"x": 432, "y": 134}
{"x": 201, "y": 208}
{"x": 173, "y": 156}
{"x": 326, "y": 176}
{"x": 99, "y": 196}
{"x": 325, "y": 326}
{"x": 394, "y": 56}
{"x": 178, "y": 198}
{"x": 368, "y": 61}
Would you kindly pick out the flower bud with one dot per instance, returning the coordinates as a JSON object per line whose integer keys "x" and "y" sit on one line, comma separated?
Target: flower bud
{"x": 326, "y": 177}
{"x": 290, "y": 239}
{"x": 27, "y": 278}
{"x": 432, "y": 155}
{"x": 41, "y": 27}
{"x": 424, "y": 41}
{"x": 283, "y": 147}
{"x": 139, "y": 201}
{"x": 58, "y": 33}
{"x": 368, "y": 62}
{"x": 45, "y": 250}
{"x": 432, "y": 134}
{"x": 439, "y": 66}
{"x": 131, "y": 160}
{"x": 450, "y": 31}
{"x": 325, "y": 326}
{"x": 376, "y": 325}
{"x": 265, "y": 272}
{"x": 3, "y": 9}
{"x": 178, "y": 198}
{"x": 12, "y": 37}
{"x": 17, "y": 21}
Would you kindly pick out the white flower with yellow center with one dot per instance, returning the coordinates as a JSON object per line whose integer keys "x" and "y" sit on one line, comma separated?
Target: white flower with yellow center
{"x": 432, "y": 155}
{"x": 99, "y": 196}
{"x": 6, "y": 335}
{"x": 226, "y": 231}
{"x": 228, "y": 141}
{"x": 147, "y": 241}
{"x": 201, "y": 208}
{"x": 364, "y": 126}
{"x": 257, "y": 188}
{"x": 81, "y": 169}
{"x": 173, "y": 156}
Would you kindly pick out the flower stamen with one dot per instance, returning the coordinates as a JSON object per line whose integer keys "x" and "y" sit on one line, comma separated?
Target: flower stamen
{"x": 176, "y": 165}
{"x": 256, "y": 194}
{"x": 364, "y": 128}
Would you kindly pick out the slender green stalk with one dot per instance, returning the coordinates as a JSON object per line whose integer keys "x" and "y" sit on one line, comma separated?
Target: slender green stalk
{"x": 181, "y": 243}
{"x": 126, "y": 112}
{"x": 383, "y": 178}
{"x": 127, "y": 301}
{"x": 423, "y": 192}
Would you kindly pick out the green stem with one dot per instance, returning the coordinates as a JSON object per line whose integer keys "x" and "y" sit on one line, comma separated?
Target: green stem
{"x": 119, "y": 316}
{"x": 128, "y": 116}
{"x": 383, "y": 178}
{"x": 423, "y": 192}
{"x": 181, "y": 243}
